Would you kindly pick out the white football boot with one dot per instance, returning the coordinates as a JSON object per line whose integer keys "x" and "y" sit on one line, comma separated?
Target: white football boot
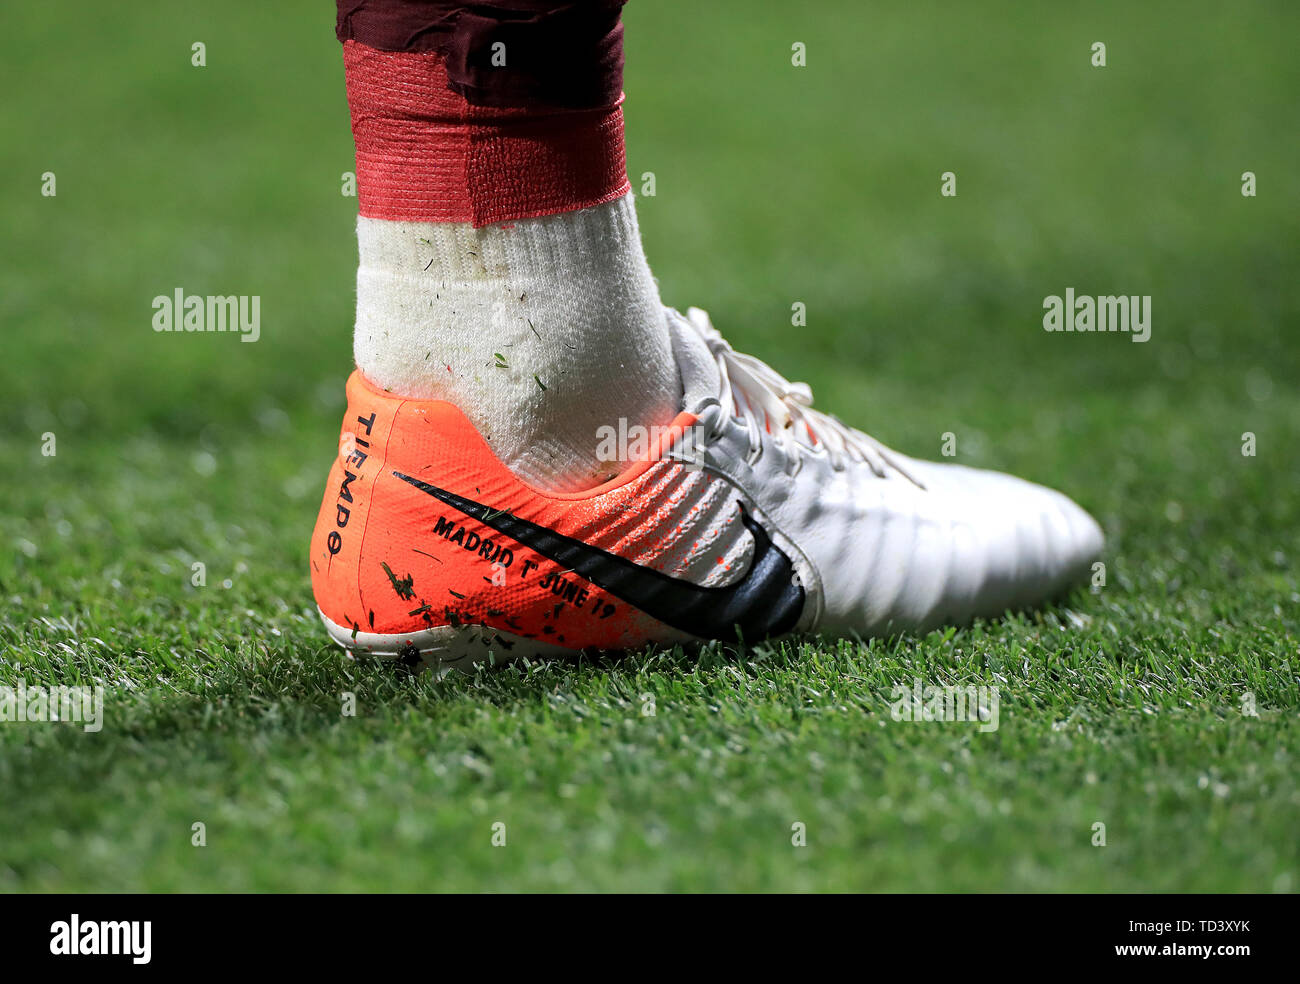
{"x": 751, "y": 516}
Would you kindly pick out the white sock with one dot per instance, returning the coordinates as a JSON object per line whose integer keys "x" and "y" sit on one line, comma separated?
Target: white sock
{"x": 566, "y": 300}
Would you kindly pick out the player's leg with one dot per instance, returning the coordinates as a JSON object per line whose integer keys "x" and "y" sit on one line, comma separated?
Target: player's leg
{"x": 538, "y": 457}
{"x": 501, "y": 265}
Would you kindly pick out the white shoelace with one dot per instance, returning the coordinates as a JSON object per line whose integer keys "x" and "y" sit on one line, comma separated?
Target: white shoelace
{"x": 751, "y": 386}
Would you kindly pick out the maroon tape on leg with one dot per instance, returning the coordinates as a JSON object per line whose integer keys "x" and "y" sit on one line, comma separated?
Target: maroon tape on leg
{"x": 425, "y": 153}
{"x": 556, "y": 55}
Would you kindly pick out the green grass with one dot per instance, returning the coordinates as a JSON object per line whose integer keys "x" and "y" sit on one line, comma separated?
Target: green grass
{"x": 775, "y": 184}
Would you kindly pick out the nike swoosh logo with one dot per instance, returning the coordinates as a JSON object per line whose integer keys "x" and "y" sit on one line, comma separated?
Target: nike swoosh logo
{"x": 767, "y": 601}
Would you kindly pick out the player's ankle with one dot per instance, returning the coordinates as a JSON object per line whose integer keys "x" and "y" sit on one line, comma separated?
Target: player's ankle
{"x": 541, "y": 331}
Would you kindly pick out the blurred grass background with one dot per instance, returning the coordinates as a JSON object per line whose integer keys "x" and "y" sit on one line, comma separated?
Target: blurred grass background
{"x": 774, "y": 184}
